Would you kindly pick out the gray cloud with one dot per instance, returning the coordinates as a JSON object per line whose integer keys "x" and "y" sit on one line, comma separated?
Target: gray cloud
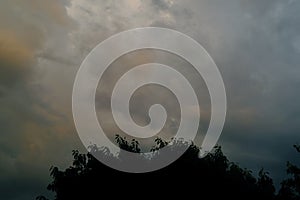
{"x": 255, "y": 46}
{"x": 254, "y": 43}
{"x": 32, "y": 131}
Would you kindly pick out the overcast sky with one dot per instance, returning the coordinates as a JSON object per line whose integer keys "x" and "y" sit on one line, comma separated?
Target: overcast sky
{"x": 256, "y": 45}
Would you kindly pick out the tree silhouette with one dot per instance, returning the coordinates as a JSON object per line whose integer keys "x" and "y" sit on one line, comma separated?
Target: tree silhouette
{"x": 290, "y": 188}
{"x": 213, "y": 176}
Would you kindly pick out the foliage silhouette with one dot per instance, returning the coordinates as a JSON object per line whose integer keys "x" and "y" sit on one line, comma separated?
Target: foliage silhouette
{"x": 213, "y": 176}
{"x": 290, "y": 187}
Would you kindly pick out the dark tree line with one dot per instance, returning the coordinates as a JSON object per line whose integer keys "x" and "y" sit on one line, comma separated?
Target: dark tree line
{"x": 213, "y": 176}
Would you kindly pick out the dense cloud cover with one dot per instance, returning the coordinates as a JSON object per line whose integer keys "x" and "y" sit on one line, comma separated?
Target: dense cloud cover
{"x": 256, "y": 45}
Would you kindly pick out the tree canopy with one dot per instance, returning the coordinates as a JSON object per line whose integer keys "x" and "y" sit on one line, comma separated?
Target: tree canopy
{"x": 213, "y": 176}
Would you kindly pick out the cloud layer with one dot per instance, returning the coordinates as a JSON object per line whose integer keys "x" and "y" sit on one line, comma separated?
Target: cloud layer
{"x": 255, "y": 44}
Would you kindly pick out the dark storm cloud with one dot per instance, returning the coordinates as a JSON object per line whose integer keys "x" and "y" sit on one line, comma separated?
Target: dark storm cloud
{"x": 256, "y": 49}
{"x": 28, "y": 122}
{"x": 256, "y": 45}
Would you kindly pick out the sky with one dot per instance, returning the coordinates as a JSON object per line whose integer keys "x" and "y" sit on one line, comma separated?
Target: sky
{"x": 255, "y": 44}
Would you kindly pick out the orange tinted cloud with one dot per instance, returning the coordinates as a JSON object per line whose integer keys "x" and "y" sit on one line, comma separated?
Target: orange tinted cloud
{"x": 15, "y": 57}
{"x": 13, "y": 51}
{"x": 24, "y": 30}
